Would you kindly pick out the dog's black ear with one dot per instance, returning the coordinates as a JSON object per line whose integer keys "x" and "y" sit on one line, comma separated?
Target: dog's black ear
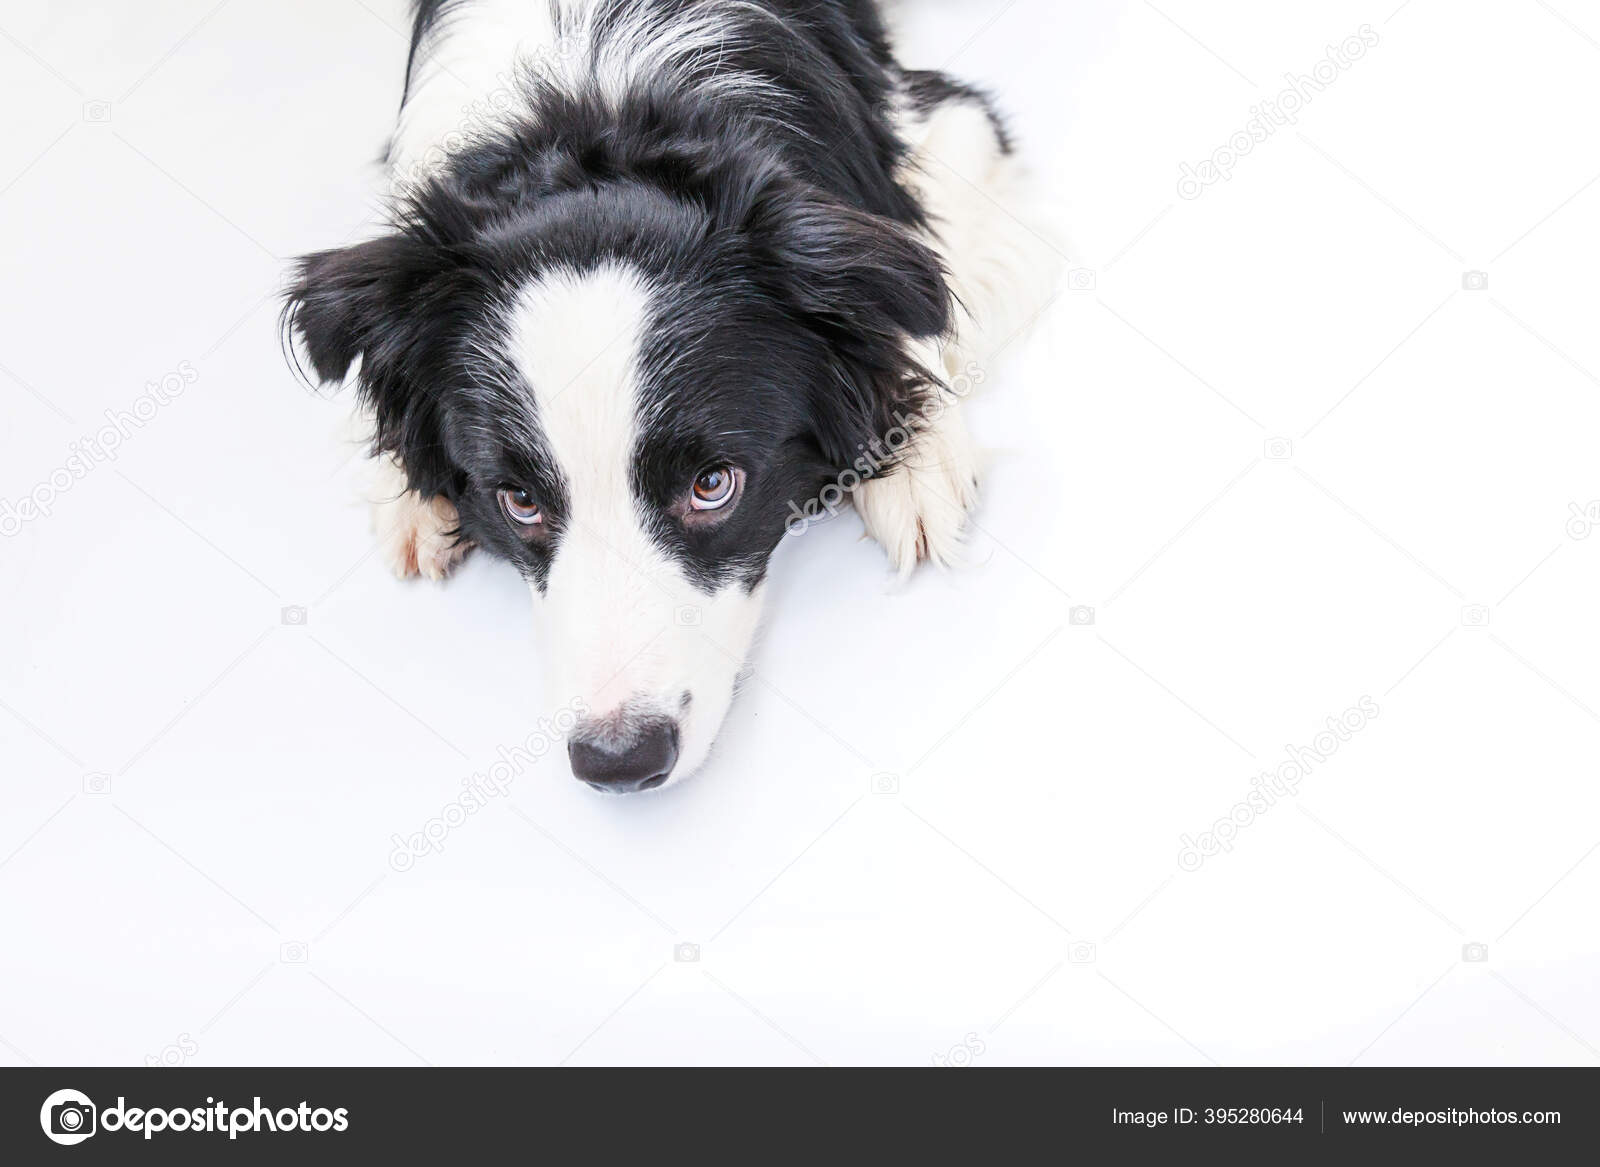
{"x": 338, "y": 302}
{"x": 869, "y": 287}
{"x": 394, "y": 303}
{"x": 849, "y": 269}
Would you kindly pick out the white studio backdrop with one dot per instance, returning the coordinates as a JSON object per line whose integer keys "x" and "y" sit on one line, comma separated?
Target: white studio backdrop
{"x": 1309, "y": 433}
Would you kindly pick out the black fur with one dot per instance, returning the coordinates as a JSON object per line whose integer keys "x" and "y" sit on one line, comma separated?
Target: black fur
{"x": 784, "y": 249}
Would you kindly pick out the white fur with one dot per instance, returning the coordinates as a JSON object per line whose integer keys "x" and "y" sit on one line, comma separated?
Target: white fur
{"x": 462, "y": 84}
{"x": 625, "y": 629}
{"x": 465, "y": 79}
{"x": 919, "y": 511}
{"x": 989, "y": 226}
{"x": 984, "y": 228}
{"x": 415, "y": 535}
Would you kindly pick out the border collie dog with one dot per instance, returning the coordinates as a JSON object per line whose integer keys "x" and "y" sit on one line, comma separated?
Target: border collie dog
{"x": 660, "y": 274}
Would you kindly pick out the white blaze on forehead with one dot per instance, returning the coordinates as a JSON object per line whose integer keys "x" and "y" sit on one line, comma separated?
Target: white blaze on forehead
{"x": 625, "y": 628}
{"x": 575, "y": 340}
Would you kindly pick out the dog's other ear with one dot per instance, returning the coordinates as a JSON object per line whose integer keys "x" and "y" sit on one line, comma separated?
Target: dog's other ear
{"x": 851, "y": 270}
{"x": 394, "y": 302}
{"x": 870, "y": 288}
{"x": 339, "y": 302}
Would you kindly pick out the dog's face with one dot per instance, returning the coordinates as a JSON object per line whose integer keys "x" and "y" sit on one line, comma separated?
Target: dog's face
{"x": 625, "y": 398}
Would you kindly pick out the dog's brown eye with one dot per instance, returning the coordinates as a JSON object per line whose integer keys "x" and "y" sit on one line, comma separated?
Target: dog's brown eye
{"x": 520, "y": 507}
{"x": 713, "y": 488}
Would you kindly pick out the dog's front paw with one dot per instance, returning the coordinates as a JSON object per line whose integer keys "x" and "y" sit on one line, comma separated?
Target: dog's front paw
{"x": 919, "y": 509}
{"x": 417, "y": 536}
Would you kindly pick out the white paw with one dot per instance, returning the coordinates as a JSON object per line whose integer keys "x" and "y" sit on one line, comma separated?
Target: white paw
{"x": 417, "y": 536}
{"x": 919, "y": 510}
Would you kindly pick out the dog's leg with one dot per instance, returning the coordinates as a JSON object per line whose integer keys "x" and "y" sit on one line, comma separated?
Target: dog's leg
{"x": 989, "y": 225}
{"x": 964, "y": 173}
{"x": 416, "y": 535}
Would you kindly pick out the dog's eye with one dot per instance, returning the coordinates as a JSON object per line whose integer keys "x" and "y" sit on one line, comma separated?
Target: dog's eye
{"x": 714, "y": 488}
{"x": 520, "y": 507}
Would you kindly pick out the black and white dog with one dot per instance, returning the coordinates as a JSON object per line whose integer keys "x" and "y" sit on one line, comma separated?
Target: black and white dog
{"x": 660, "y": 274}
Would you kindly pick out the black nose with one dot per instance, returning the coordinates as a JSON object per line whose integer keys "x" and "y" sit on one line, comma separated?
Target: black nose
{"x": 623, "y": 765}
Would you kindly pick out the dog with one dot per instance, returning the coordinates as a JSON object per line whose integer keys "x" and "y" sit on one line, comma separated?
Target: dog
{"x": 659, "y": 275}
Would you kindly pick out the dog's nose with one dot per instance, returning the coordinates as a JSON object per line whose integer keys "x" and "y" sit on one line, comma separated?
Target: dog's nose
{"x": 641, "y": 761}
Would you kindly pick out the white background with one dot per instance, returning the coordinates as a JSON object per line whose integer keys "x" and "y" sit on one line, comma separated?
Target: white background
{"x": 195, "y": 794}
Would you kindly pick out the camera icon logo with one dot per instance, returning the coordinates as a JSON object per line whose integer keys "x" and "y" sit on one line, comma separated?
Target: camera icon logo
{"x": 1277, "y": 450}
{"x": 294, "y": 952}
{"x": 886, "y": 783}
{"x": 687, "y": 616}
{"x": 1081, "y": 952}
{"x": 68, "y": 1117}
{"x": 1082, "y": 616}
{"x": 295, "y": 616}
{"x": 97, "y": 783}
{"x": 1082, "y": 279}
{"x": 1475, "y": 616}
{"x": 1475, "y": 281}
{"x": 1475, "y": 953}
{"x": 686, "y": 953}
{"x": 98, "y": 112}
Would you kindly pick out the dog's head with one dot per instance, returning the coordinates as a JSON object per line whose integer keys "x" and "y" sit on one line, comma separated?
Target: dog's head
{"x": 628, "y": 395}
